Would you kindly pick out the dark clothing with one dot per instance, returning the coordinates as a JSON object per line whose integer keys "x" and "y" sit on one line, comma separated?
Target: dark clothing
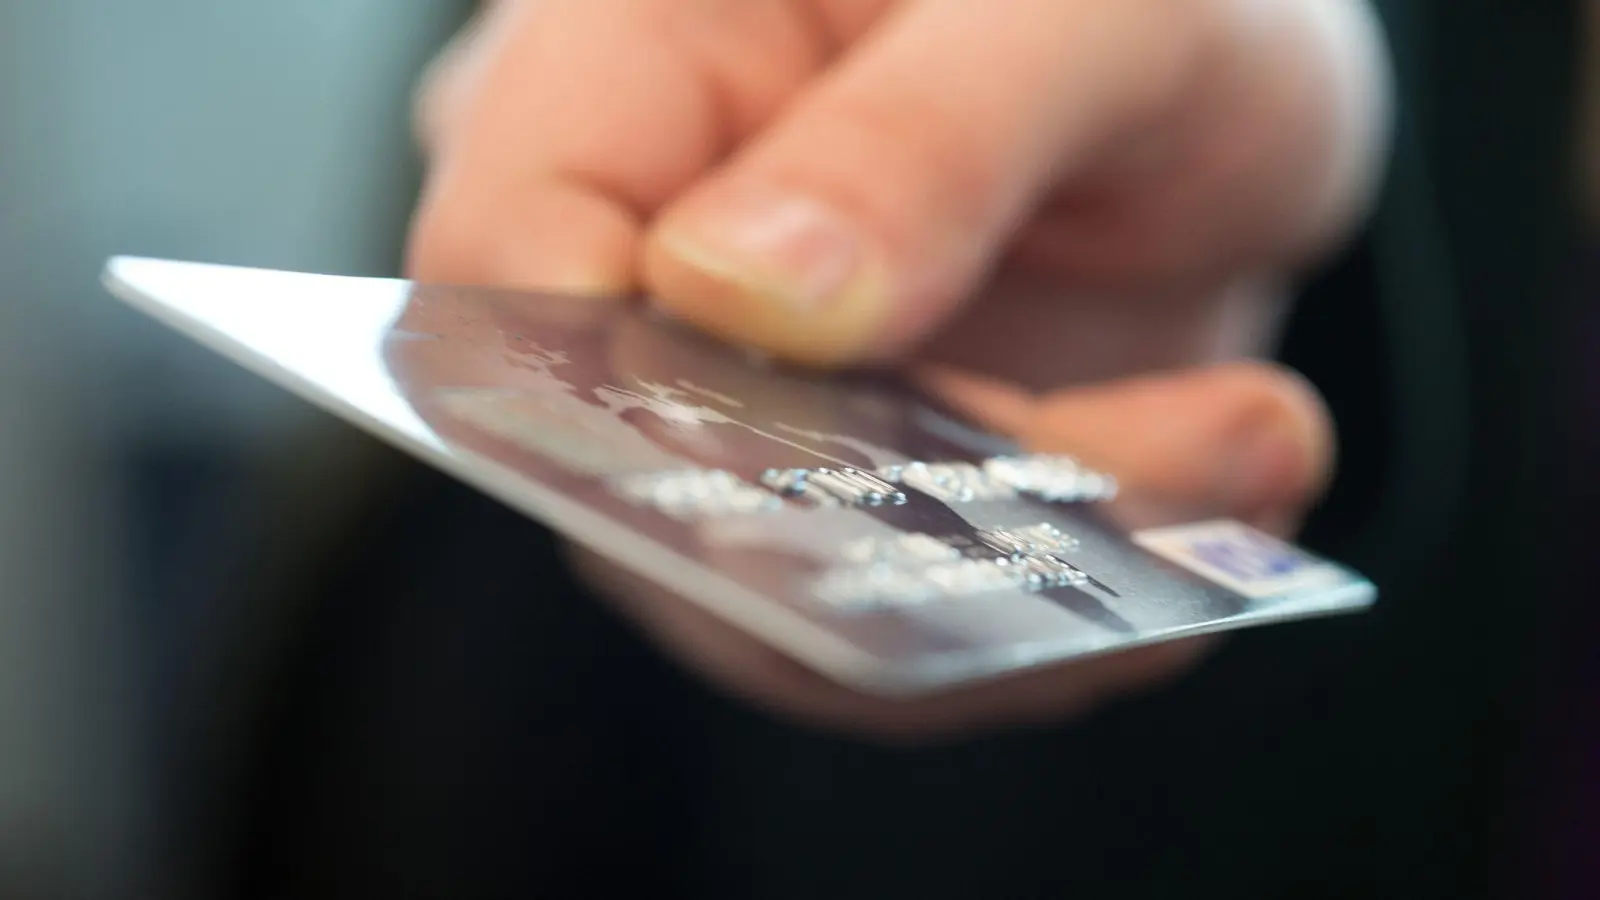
{"x": 465, "y": 721}
{"x": 1559, "y": 855}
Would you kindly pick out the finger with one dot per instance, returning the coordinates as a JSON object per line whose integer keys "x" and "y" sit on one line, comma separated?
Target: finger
{"x": 1250, "y": 441}
{"x": 854, "y": 224}
{"x": 562, "y": 125}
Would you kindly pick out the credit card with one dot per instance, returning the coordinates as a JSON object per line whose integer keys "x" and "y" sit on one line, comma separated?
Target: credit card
{"x": 853, "y": 523}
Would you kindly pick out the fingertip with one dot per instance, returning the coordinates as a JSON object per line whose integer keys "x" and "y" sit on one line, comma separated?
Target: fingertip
{"x": 772, "y": 269}
{"x": 1245, "y": 440}
{"x": 1292, "y": 429}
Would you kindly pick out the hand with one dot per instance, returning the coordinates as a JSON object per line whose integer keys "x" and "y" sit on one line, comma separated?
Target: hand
{"x": 1023, "y": 198}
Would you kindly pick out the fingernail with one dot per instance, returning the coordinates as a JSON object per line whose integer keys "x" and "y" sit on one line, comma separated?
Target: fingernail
{"x": 783, "y": 247}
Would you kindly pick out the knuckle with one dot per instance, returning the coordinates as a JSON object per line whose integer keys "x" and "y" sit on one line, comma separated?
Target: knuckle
{"x": 437, "y": 97}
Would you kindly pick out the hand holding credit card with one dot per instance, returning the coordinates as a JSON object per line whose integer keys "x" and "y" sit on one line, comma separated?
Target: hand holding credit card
{"x": 853, "y": 550}
{"x": 1034, "y": 206}
{"x": 1057, "y": 222}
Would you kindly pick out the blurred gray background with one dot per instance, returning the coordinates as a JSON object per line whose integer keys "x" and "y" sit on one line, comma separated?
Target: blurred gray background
{"x": 271, "y": 134}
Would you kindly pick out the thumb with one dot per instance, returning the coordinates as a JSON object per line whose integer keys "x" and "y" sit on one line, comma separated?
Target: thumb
{"x": 856, "y": 222}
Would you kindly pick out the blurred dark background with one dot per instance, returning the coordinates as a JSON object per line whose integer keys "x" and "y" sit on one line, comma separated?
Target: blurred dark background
{"x": 152, "y": 497}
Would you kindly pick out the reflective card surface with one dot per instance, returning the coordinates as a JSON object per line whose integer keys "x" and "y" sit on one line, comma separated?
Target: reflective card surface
{"x": 854, "y": 524}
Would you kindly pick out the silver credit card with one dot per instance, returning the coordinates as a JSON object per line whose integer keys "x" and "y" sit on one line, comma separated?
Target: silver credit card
{"x": 852, "y": 523}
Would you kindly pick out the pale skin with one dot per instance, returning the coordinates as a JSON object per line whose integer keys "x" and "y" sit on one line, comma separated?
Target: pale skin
{"x": 1074, "y": 218}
